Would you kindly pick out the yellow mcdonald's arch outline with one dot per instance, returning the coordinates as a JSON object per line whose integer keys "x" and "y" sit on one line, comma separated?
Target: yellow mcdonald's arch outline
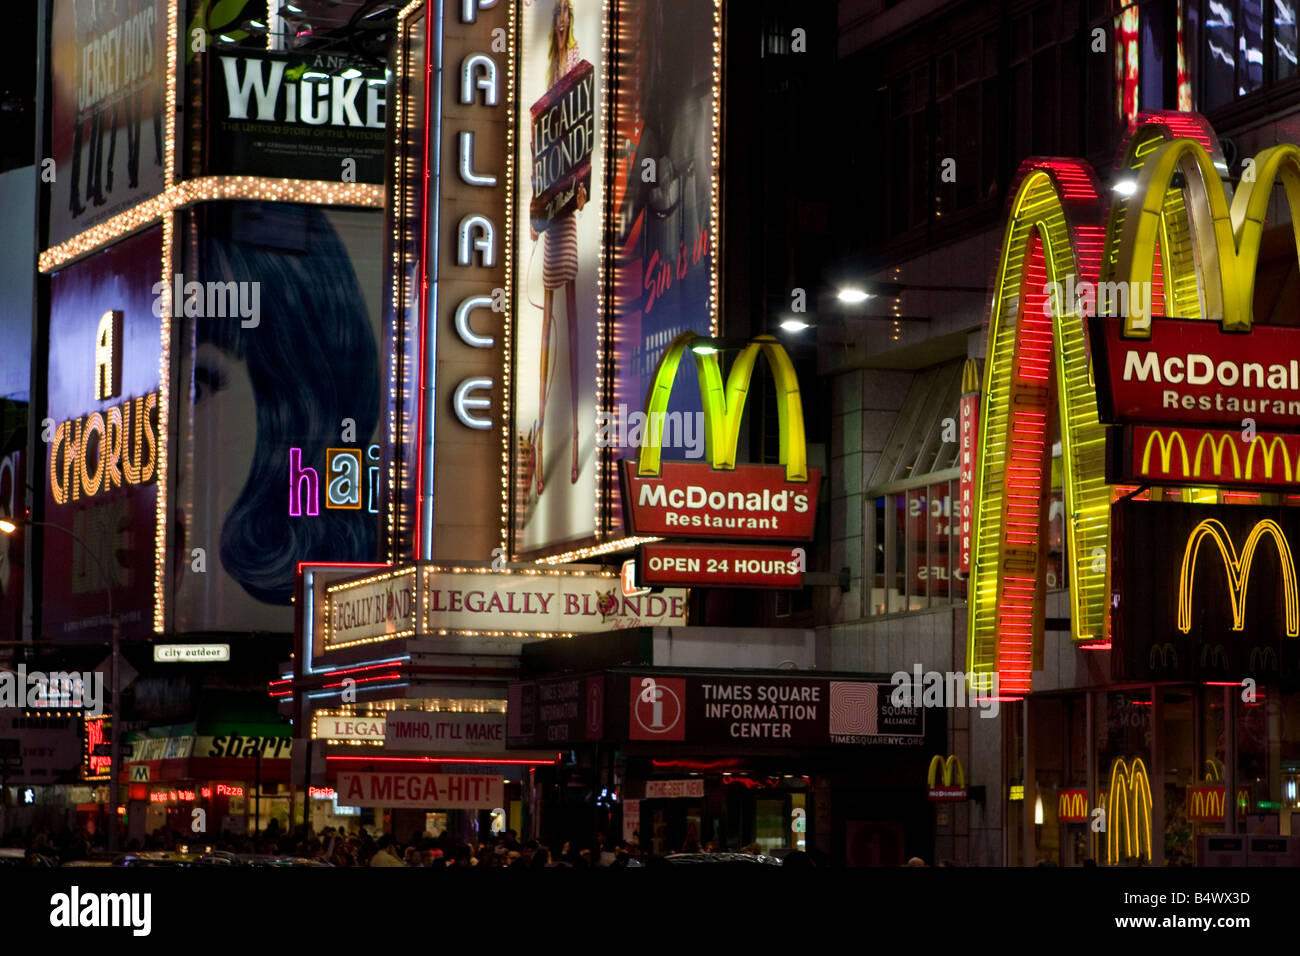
{"x": 1162, "y": 652}
{"x": 951, "y": 768}
{"x": 725, "y": 404}
{"x": 1267, "y": 456}
{"x": 1166, "y": 451}
{"x": 1217, "y": 447}
{"x": 1238, "y": 571}
{"x": 1213, "y": 769}
{"x": 1128, "y": 811}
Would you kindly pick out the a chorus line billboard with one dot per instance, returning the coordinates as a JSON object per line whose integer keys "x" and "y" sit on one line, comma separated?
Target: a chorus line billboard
{"x": 107, "y": 70}
{"x": 101, "y": 442}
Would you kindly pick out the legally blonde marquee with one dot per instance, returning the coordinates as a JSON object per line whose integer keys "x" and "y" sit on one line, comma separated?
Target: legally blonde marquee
{"x": 1094, "y": 317}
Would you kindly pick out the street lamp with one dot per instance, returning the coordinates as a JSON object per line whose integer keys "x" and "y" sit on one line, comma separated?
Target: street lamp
{"x": 9, "y": 526}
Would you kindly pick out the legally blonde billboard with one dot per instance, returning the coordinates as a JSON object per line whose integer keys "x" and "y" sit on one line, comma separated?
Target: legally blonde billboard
{"x": 559, "y": 283}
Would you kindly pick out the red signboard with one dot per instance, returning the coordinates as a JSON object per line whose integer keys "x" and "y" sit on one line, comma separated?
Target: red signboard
{"x": 673, "y": 563}
{"x": 1191, "y": 372}
{"x": 1199, "y": 456}
{"x": 1072, "y": 805}
{"x": 694, "y": 500}
{"x": 1205, "y": 804}
{"x": 968, "y": 428}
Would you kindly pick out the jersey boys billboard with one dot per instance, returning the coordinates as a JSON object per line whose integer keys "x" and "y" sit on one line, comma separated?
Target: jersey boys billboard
{"x": 108, "y": 63}
{"x": 101, "y": 441}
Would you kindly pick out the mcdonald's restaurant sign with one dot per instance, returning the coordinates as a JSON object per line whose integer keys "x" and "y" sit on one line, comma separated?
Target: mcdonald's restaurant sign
{"x": 718, "y": 498}
{"x": 946, "y": 779}
{"x": 1144, "y": 291}
{"x": 1072, "y": 806}
{"x": 1198, "y": 456}
{"x": 1205, "y": 593}
{"x": 1205, "y": 804}
{"x": 1193, "y": 373}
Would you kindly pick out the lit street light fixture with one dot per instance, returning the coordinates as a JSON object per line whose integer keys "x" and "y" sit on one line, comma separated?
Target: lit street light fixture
{"x": 9, "y": 526}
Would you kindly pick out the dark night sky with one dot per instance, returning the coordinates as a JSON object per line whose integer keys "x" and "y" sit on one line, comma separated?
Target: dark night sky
{"x": 18, "y": 84}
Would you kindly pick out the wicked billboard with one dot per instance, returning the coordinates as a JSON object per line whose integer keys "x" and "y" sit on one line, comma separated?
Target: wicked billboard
{"x": 1204, "y": 593}
{"x": 291, "y": 116}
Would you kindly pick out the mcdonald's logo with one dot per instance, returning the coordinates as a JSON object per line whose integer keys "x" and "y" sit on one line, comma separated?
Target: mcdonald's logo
{"x": 1165, "y": 654}
{"x": 724, "y": 405}
{"x": 1166, "y": 450}
{"x": 949, "y": 771}
{"x": 1128, "y": 811}
{"x": 1214, "y": 656}
{"x": 1213, "y": 769}
{"x": 1217, "y": 450}
{"x": 718, "y": 498}
{"x": 1238, "y": 570}
{"x": 1072, "y": 806}
{"x": 1208, "y": 457}
{"x": 1263, "y": 660}
{"x": 1205, "y": 804}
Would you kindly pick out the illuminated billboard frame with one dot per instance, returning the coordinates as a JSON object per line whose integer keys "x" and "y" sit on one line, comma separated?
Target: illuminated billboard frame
{"x": 1157, "y": 235}
{"x": 163, "y": 208}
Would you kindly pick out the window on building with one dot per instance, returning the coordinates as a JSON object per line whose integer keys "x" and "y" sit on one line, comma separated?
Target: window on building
{"x": 1241, "y": 47}
{"x": 911, "y": 530}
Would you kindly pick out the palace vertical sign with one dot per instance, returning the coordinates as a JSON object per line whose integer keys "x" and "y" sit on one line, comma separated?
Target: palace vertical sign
{"x": 468, "y": 177}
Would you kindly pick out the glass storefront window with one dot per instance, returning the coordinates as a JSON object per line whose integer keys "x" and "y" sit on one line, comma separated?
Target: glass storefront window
{"x": 913, "y": 538}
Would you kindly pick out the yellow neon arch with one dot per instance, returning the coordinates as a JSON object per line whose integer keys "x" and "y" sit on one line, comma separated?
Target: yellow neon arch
{"x": 1128, "y": 811}
{"x": 724, "y": 405}
{"x": 1238, "y": 571}
{"x": 1038, "y": 211}
{"x": 1226, "y": 236}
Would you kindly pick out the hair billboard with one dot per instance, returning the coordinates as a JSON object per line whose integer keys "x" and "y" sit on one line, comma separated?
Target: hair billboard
{"x": 280, "y": 455}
